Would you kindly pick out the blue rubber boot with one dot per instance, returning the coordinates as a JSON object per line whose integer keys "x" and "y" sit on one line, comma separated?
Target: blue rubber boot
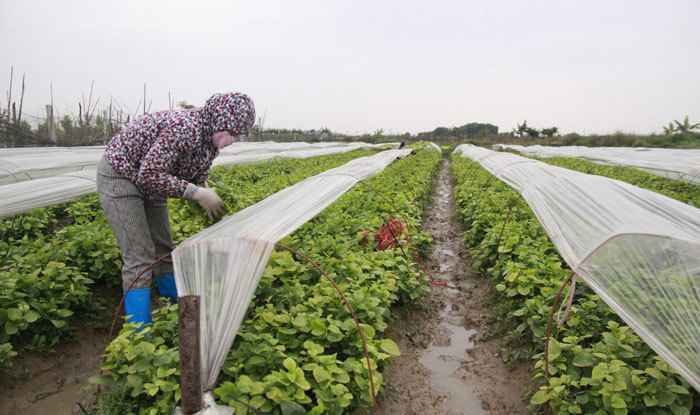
{"x": 166, "y": 286}
{"x": 137, "y": 306}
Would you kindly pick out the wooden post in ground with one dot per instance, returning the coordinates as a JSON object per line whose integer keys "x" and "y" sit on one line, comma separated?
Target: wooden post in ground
{"x": 51, "y": 126}
{"x": 110, "y": 129}
{"x": 9, "y": 94}
{"x": 190, "y": 367}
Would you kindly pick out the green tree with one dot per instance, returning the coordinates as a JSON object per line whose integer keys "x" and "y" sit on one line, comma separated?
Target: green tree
{"x": 670, "y": 129}
{"x": 686, "y": 127}
{"x": 550, "y": 132}
{"x": 67, "y": 132}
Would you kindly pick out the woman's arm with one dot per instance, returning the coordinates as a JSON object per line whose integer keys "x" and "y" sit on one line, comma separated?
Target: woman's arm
{"x": 154, "y": 175}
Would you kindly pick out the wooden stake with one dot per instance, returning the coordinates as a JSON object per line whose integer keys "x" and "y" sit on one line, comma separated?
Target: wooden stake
{"x": 110, "y": 129}
{"x": 190, "y": 368}
{"x": 21, "y": 102}
{"x": 9, "y": 94}
{"x": 51, "y": 126}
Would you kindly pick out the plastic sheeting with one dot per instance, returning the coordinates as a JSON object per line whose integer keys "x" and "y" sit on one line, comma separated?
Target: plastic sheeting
{"x": 247, "y": 154}
{"x": 24, "y": 196}
{"x": 210, "y": 407}
{"x": 639, "y": 250}
{"x": 435, "y": 146}
{"x": 672, "y": 163}
{"x": 223, "y": 264}
{"x": 27, "y": 195}
{"x": 29, "y": 163}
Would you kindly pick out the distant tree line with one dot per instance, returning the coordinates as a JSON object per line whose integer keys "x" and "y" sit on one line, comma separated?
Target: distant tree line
{"x": 68, "y": 131}
{"x": 681, "y": 127}
{"x": 466, "y": 131}
{"x": 523, "y": 130}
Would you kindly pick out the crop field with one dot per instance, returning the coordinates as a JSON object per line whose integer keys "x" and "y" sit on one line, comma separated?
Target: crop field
{"x": 349, "y": 304}
{"x": 682, "y": 191}
{"x": 298, "y": 345}
{"x": 52, "y": 256}
{"x": 350, "y": 208}
{"x": 597, "y": 363}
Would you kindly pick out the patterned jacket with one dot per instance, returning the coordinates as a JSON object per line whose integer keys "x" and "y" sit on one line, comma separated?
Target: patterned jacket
{"x": 166, "y": 153}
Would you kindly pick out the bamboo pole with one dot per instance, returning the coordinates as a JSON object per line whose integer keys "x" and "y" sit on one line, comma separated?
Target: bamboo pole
{"x": 21, "y": 102}
{"x": 9, "y": 94}
{"x": 51, "y": 126}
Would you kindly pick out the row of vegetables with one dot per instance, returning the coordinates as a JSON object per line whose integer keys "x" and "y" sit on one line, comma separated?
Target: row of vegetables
{"x": 299, "y": 349}
{"x": 597, "y": 365}
{"x": 52, "y": 259}
{"x": 683, "y": 191}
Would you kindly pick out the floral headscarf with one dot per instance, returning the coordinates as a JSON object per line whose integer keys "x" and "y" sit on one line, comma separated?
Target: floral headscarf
{"x": 233, "y": 112}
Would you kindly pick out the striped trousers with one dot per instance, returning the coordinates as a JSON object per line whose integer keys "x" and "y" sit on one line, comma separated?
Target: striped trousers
{"x": 141, "y": 226}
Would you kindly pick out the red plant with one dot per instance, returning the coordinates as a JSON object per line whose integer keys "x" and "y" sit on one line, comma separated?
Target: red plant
{"x": 389, "y": 234}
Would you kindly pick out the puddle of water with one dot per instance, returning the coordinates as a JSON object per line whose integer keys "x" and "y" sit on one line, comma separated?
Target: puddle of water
{"x": 446, "y": 355}
{"x": 444, "y": 361}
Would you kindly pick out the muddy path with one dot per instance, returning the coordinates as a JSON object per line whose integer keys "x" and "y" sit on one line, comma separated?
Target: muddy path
{"x": 53, "y": 382}
{"x": 56, "y": 381}
{"x": 449, "y": 365}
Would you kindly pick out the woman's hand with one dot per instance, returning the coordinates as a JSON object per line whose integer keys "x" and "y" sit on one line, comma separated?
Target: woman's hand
{"x": 209, "y": 201}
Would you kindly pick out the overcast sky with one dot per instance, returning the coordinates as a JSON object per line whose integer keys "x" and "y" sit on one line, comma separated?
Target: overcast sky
{"x": 357, "y": 66}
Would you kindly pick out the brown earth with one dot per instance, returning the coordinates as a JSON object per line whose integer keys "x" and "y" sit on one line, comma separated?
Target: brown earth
{"x": 53, "y": 382}
{"x": 448, "y": 365}
{"x": 56, "y": 381}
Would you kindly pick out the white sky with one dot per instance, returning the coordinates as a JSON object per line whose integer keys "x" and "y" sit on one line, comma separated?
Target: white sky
{"x": 356, "y": 66}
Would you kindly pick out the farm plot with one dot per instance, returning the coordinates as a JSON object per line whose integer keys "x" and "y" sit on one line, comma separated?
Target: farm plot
{"x": 52, "y": 257}
{"x": 680, "y": 164}
{"x": 596, "y": 363}
{"x": 299, "y": 348}
{"x": 31, "y": 178}
{"x": 683, "y": 191}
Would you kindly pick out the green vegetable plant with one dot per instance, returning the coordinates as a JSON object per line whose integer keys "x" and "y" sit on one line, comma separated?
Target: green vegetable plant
{"x": 597, "y": 365}
{"x": 299, "y": 351}
{"x": 50, "y": 257}
{"x": 676, "y": 189}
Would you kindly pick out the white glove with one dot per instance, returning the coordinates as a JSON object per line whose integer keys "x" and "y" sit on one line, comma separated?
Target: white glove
{"x": 209, "y": 201}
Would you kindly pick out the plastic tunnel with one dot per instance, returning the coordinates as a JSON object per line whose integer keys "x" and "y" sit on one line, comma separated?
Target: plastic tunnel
{"x": 667, "y": 162}
{"x": 638, "y": 250}
{"x": 39, "y": 177}
{"x": 223, "y": 264}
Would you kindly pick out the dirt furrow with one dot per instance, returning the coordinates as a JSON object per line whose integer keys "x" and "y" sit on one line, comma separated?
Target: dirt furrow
{"x": 448, "y": 366}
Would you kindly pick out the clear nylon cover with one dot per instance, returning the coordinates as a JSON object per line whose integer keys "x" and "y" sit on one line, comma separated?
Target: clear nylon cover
{"x": 29, "y": 163}
{"x": 667, "y": 162}
{"x": 44, "y": 176}
{"x": 639, "y": 250}
{"x": 223, "y": 264}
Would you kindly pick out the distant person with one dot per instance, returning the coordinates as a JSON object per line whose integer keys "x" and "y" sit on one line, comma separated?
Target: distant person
{"x": 157, "y": 156}
{"x": 402, "y": 145}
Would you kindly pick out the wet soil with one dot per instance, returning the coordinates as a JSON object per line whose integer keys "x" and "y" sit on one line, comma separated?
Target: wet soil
{"x": 53, "y": 382}
{"x": 450, "y": 364}
{"x": 56, "y": 381}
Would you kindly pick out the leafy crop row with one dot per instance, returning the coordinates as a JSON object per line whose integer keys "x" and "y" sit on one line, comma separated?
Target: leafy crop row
{"x": 597, "y": 365}
{"x": 298, "y": 350}
{"x": 49, "y": 258}
{"x": 676, "y": 189}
